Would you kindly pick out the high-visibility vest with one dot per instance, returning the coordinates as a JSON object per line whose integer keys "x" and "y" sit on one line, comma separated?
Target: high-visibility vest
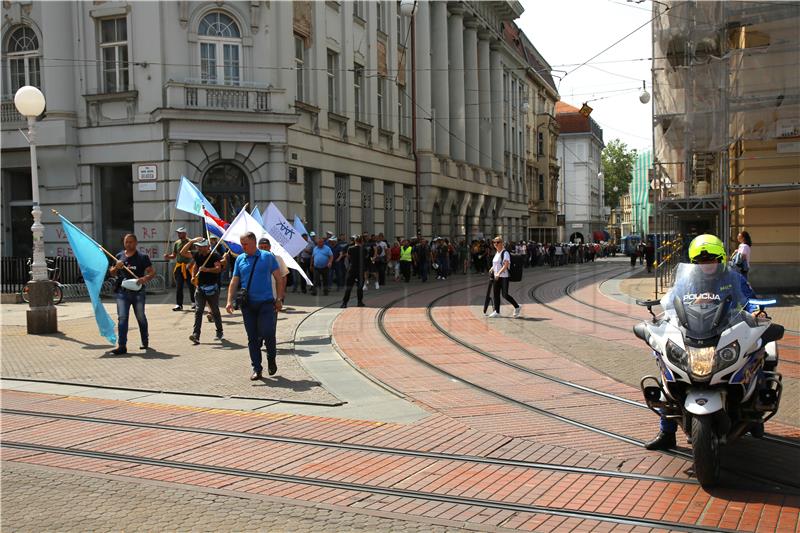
{"x": 405, "y": 253}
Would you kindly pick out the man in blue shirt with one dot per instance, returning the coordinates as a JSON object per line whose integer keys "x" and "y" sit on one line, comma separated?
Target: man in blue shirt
{"x": 254, "y": 268}
{"x": 321, "y": 260}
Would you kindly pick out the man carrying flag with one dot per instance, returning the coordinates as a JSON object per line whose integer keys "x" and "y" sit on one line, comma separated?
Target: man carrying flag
{"x": 93, "y": 263}
{"x": 131, "y": 265}
{"x": 181, "y": 273}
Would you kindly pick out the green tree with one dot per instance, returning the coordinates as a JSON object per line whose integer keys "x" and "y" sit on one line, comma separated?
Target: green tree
{"x": 617, "y": 163}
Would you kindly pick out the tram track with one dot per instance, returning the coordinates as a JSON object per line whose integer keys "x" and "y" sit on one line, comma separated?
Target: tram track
{"x": 590, "y": 427}
{"x": 336, "y": 445}
{"x": 376, "y": 489}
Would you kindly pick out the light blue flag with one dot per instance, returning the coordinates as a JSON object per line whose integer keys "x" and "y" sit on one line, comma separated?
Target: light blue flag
{"x": 191, "y": 200}
{"x": 257, "y": 215}
{"x": 298, "y": 225}
{"x": 94, "y": 267}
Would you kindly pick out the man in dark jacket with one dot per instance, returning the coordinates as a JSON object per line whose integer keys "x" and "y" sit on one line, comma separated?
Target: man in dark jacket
{"x": 357, "y": 256}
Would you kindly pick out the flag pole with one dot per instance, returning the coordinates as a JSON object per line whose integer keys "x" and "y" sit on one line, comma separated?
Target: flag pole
{"x": 109, "y": 254}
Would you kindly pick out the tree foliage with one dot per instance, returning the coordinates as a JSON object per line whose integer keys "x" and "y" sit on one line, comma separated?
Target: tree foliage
{"x": 617, "y": 163}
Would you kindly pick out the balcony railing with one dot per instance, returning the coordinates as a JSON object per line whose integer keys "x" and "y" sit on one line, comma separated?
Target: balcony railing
{"x": 9, "y": 113}
{"x": 194, "y": 95}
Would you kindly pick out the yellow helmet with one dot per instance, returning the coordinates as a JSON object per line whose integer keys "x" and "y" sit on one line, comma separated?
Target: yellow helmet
{"x": 706, "y": 247}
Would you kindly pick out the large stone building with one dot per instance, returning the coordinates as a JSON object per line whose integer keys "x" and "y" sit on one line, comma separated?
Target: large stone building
{"x": 581, "y": 194}
{"x": 542, "y": 169}
{"x": 727, "y": 128}
{"x": 305, "y": 104}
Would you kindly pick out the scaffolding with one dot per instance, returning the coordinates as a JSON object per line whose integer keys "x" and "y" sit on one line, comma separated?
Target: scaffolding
{"x": 726, "y": 114}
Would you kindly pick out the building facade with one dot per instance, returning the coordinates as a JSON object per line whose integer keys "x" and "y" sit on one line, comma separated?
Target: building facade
{"x": 727, "y": 128}
{"x": 305, "y": 104}
{"x": 641, "y": 207}
{"x": 581, "y": 197}
{"x": 542, "y": 170}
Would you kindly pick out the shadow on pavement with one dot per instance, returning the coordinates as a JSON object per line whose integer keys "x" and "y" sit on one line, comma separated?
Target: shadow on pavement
{"x": 314, "y": 341}
{"x": 225, "y": 344}
{"x": 532, "y": 319}
{"x": 84, "y": 345}
{"x": 300, "y": 385}
{"x": 290, "y": 311}
{"x": 149, "y": 353}
{"x": 298, "y": 353}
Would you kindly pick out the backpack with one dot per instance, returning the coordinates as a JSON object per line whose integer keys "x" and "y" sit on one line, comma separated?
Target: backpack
{"x": 516, "y": 266}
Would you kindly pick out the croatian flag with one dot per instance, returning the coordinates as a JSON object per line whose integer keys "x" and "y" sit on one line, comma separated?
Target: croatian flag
{"x": 217, "y": 227}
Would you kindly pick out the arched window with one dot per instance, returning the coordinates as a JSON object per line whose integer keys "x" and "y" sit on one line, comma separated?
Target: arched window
{"x": 227, "y": 188}
{"x": 23, "y": 55}
{"x": 220, "y": 49}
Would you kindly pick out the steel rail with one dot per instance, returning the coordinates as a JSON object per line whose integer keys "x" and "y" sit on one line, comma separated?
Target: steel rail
{"x": 361, "y": 487}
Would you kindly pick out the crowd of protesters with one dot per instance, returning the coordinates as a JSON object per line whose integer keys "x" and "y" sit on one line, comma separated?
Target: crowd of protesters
{"x": 334, "y": 263}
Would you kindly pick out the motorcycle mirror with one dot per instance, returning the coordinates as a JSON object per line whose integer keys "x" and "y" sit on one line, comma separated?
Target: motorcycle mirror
{"x": 680, "y": 311}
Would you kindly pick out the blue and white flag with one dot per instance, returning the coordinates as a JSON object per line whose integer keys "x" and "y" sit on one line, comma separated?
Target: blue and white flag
{"x": 280, "y": 230}
{"x": 256, "y": 214}
{"x": 191, "y": 200}
{"x": 298, "y": 225}
{"x": 94, "y": 268}
{"x": 243, "y": 223}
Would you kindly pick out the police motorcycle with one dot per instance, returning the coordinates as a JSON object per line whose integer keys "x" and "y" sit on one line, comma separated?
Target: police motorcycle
{"x": 717, "y": 362}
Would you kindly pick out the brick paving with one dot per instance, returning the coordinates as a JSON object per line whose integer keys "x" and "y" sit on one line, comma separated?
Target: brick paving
{"x": 462, "y": 421}
{"x": 37, "y": 499}
{"x": 78, "y": 354}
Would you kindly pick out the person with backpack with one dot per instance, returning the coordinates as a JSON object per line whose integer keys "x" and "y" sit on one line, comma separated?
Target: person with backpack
{"x": 500, "y": 273}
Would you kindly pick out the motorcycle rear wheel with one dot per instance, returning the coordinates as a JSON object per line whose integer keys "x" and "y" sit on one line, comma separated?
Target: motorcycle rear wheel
{"x": 705, "y": 450}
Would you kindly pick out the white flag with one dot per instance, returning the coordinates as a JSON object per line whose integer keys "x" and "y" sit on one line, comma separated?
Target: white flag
{"x": 283, "y": 231}
{"x": 243, "y": 223}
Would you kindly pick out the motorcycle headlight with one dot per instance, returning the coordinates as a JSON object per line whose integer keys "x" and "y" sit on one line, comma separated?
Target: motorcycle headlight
{"x": 701, "y": 360}
{"x": 676, "y": 355}
{"x": 727, "y": 356}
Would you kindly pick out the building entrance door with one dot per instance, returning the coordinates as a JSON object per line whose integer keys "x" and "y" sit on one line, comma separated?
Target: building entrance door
{"x": 227, "y": 187}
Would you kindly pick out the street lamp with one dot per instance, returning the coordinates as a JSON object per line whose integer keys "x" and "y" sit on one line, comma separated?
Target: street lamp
{"x": 408, "y": 9}
{"x": 41, "y": 317}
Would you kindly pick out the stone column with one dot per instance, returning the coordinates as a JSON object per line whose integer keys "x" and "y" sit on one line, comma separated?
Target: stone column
{"x": 455, "y": 33}
{"x": 440, "y": 78}
{"x": 471, "y": 91}
{"x": 485, "y": 100}
{"x": 496, "y": 84}
{"x": 277, "y": 177}
{"x": 422, "y": 49}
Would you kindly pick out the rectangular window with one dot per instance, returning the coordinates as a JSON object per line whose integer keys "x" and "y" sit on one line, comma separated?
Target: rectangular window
{"x": 231, "y": 71}
{"x": 333, "y": 81}
{"x": 300, "y": 67}
{"x": 114, "y": 54}
{"x": 540, "y": 144}
{"x": 381, "y": 103}
{"x": 358, "y": 91}
{"x": 382, "y": 15}
{"x": 208, "y": 63}
{"x": 358, "y": 9}
{"x": 403, "y": 112}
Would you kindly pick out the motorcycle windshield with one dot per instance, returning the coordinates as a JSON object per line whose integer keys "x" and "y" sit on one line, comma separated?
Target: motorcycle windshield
{"x": 706, "y": 299}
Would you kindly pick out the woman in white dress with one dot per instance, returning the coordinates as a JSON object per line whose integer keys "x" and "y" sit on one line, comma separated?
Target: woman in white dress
{"x": 500, "y": 273}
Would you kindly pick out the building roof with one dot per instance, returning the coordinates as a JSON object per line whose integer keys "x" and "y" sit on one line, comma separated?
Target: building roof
{"x": 570, "y": 120}
{"x": 517, "y": 39}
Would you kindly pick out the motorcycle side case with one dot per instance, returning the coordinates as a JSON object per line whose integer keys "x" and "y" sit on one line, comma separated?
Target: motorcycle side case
{"x": 703, "y": 402}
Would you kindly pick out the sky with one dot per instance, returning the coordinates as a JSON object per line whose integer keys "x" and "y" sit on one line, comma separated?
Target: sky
{"x": 569, "y": 32}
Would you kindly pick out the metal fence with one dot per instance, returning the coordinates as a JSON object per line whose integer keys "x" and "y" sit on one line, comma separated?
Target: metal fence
{"x": 668, "y": 255}
{"x": 15, "y": 273}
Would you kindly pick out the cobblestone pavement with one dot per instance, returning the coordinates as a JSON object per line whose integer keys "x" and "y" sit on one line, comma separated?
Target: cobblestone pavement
{"x": 463, "y": 422}
{"x": 44, "y": 499}
{"x": 78, "y": 354}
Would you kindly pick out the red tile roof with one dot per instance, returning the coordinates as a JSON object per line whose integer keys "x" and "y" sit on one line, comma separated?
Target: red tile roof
{"x": 570, "y": 119}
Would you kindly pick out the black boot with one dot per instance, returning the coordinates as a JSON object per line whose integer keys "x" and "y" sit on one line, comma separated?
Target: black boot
{"x": 663, "y": 441}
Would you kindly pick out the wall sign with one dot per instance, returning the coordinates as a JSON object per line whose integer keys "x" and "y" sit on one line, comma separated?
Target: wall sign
{"x": 148, "y": 172}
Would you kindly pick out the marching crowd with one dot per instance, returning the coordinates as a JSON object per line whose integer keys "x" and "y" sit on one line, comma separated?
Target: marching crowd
{"x": 203, "y": 266}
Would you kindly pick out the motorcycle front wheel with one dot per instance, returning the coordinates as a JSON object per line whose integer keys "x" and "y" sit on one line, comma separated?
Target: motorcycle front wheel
{"x": 705, "y": 450}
